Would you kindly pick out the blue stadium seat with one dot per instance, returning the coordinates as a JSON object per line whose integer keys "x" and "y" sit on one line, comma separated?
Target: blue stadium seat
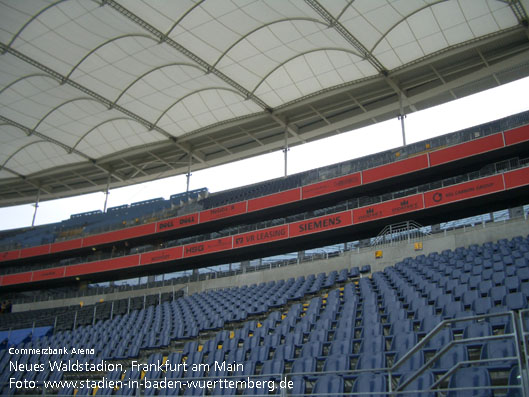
{"x": 371, "y": 361}
{"x": 499, "y": 348}
{"x": 344, "y": 346}
{"x": 430, "y": 322}
{"x": 473, "y": 377}
{"x": 284, "y": 352}
{"x": 328, "y": 384}
{"x": 477, "y": 330}
{"x": 336, "y": 363}
{"x": 440, "y": 339}
{"x": 373, "y": 344}
{"x": 312, "y": 349}
{"x": 421, "y": 384}
{"x": 515, "y": 301}
{"x": 450, "y": 358}
{"x": 369, "y": 382}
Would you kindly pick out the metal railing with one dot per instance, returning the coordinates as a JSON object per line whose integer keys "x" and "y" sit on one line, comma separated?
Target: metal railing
{"x": 407, "y": 232}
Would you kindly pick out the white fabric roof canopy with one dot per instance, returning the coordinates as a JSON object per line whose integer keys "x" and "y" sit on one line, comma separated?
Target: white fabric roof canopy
{"x": 129, "y": 91}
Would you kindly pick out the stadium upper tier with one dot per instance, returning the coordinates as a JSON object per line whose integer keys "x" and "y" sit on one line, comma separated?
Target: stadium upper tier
{"x": 156, "y": 215}
{"x": 404, "y": 328}
{"x": 277, "y": 229}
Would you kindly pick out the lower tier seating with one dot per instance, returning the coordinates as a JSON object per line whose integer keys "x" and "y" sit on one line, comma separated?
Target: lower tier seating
{"x": 446, "y": 320}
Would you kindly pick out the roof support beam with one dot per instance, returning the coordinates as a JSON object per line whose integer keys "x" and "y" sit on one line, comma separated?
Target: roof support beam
{"x": 336, "y": 25}
{"x": 161, "y": 160}
{"x": 220, "y": 145}
{"x": 67, "y": 148}
{"x": 180, "y": 48}
{"x": 138, "y": 169}
{"x": 400, "y": 92}
{"x": 254, "y": 138}
{"x": 25, "y": 179}
{"x": 106, "y": 102}
{"x": 292, "y": 129}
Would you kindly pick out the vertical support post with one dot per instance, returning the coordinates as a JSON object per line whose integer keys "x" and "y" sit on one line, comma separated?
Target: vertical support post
{"x": 75, "y": 320}
{"x": 54, "y": 325}
{"x": 112, "y": 310}
{"x": 107, "y": 192}
{"x": 401, "y": 117}
{"x": 144, "y": 300}
{"x": 94, "y": 315}
{"x": 36, "y": 206}
{"x": 188, "y": 175}
{"x": 128, "y": 306}
{"x": 518, "y": 337}
{"x": 285, "y": 150}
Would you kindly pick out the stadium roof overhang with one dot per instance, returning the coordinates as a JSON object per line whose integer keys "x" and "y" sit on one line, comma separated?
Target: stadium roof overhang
{"x": 97, "y": 92}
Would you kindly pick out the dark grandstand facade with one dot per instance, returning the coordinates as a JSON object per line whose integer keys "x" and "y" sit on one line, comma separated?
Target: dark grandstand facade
{"x": 402, "y": 273}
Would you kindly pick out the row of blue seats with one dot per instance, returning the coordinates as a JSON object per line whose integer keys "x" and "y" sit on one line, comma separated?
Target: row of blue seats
{"x": 124, "y": 336}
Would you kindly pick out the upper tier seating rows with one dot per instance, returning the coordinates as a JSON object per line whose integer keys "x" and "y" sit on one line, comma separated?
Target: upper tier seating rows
{"x": 345, "y": 340}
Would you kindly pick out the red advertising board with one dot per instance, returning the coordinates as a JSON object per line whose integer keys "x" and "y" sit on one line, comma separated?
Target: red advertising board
{"x": 517, "y": 178}
{"x": 520, "y": 134}
{"x": 272, "y": 200}
{"x": 67, "y": 245}
{"x": 223, "y": 212}
{"x": 164, "y": 255}
{"x": 35, "y": 251}
{"x": 389, "y": 208}
{"x": 260, "y": 236}
{"x": 466, "y": 149}
{"x": 119, "y": 235}
{"x": 48, "y": 274}
{"x": 19, "y": 278}
{"x": 332, "y": 185}
{"x": 207, "y": 247}
{"x": 9, "y": 255}
{"x": 463, "y": 191}
{"x": 394, "y": 169}
{"x": 102, "y": 266}
{"x": 176, "y": 223}
{"x": 321, "y": 224}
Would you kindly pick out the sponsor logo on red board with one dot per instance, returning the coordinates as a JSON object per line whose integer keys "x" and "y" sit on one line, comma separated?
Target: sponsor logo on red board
{"x": 223, "y": 212}
{"x": 389, "y": 208}
{"x": 261, "y": 236}
{"x": 178, "y": 222}
{"x": 321, "y": 223}
{"x": 163, "y": 255}
{"x": 207, "y": 247}
{"x": 332, "y": 185}
{"x": 464, "y": 191}
{"x": 48, "y": 274}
